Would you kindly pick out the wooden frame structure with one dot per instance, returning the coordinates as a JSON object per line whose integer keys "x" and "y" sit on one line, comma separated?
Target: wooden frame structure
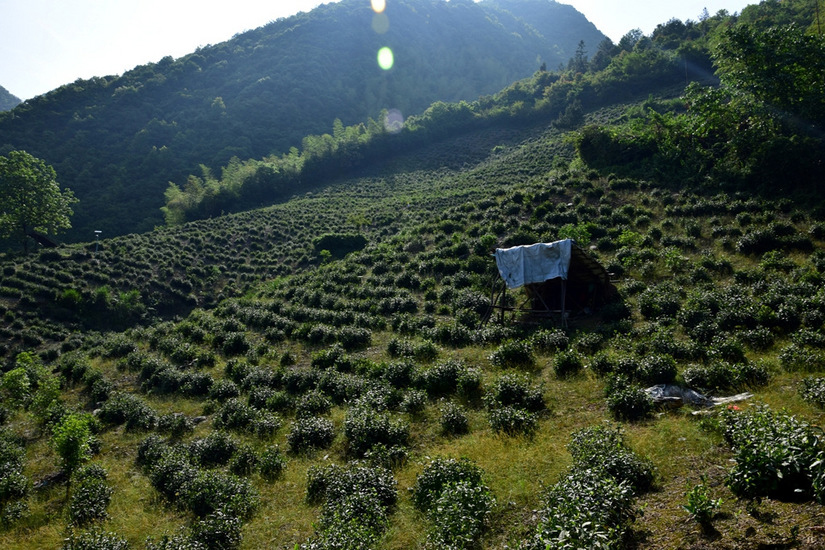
{"x": 583, "y": 285}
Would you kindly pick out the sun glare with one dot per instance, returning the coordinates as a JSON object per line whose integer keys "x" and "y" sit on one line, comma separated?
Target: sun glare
{"x": 378, "y": 6}
{"x": 386, "y": 59}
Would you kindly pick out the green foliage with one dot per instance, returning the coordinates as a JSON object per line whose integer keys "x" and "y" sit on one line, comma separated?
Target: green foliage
{"x": 774, "y": 453}
{"x": 72, "y": 439}
{"x": 14, "y": 485}
{"x": 440, "y": 474}
{"x": 700, "y": 505}
{"x": 95, "y": 539}
{"x": 310, "y": 433}
{"x": 30, "y": 198}
{"x": 90, "y": 497}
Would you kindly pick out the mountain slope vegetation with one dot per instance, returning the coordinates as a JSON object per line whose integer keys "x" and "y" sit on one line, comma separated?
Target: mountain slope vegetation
{"x": 325, "y": 373}
{"x": 117, "y": 141}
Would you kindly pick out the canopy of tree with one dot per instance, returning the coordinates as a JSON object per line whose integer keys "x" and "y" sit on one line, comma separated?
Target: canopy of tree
{"x": 31, "y": 199}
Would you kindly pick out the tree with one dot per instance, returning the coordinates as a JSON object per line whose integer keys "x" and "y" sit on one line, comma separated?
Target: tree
{"x": 31, "y": 199}
{"x": 72, "y": 440}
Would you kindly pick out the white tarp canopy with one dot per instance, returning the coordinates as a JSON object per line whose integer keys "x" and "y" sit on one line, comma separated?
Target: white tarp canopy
{"x": 535, "y": 263}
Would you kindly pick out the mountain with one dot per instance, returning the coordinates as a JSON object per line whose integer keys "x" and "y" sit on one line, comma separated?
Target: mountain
{"x": 117, "y": 141}
{"x": 7, "y": 100}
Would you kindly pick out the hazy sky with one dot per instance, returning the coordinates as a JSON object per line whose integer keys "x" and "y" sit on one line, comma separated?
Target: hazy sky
{"x": 47, "y": 43}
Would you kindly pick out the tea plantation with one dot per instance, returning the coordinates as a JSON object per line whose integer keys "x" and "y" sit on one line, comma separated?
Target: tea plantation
{"x": 318, "y": 373}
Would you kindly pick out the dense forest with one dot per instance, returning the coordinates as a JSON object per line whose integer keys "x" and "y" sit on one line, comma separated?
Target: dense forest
{"x": 324, "y": 372}
{"x": 117, "y": 141}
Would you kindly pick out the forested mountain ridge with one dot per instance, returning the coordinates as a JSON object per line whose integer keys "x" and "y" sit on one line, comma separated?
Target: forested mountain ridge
{"x": 117, "y": 141}
{"x": 7, "y": 100}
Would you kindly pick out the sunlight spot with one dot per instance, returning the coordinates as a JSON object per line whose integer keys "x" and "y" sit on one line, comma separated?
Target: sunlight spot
{"x": 394, "y": 121}
{"x": 380, "y": 23}
{"x": 386, "y": 59}
{"x": 378, "y": 6}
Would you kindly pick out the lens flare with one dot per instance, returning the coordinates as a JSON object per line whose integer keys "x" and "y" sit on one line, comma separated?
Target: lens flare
{"x": 378, "y": 6}
{"x": 380, "y": 23}
{"x": 394, "y": 121}
{"x": 386, "y": 59}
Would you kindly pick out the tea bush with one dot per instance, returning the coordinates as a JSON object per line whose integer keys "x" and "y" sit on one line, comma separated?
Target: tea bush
{"x": 90, "y": 496}
{"x": 310, "y": 433}
{"x": 94, "y": 539}
{"x": 460, "y": 516}
{"x": 513, "y": 354}
{"x": 439, "y": 474}
{"x": 211, "y": 491}
{"x": 604, "y": 448}
{"x": 510, "y": 390}
{"x": 723, "y": 376}
{"x": 628, "y": 401}
{"x": 129, "y": 409}
{"x": 453, "y": 419}
{"x": 812, "y": 389}
{"x": 567, "y": 363}
{"x": 774, "y": 453}
{"x": 585, "y": 509}
{"x": 364, "y": 428}
{"x": 272, "y": 463}
{"x": 550, "y": 341}
{"x": 218, "y": 529}
{"x": 512, "y": 421}
{"x": 216, "y": 449}
{"x": 14, "y": 485}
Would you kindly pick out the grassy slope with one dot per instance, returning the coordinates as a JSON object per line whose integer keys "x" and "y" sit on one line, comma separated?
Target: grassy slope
{"x": 409, "y": 200}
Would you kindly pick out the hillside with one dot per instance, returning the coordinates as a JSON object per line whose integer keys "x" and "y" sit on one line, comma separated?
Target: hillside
{"x": 7, "y": 100}
{"x": 325, "y": 373}
{"x": 117, "y": 141}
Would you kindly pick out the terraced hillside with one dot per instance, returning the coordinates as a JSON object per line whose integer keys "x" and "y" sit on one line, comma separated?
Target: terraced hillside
{"x": 240, "y": 383}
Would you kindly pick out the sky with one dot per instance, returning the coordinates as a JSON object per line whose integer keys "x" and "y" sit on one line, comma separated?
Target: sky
{"x": 47, "y": 43}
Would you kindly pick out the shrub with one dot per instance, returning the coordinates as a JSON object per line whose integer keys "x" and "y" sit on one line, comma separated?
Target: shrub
{"x": 723, "y": 376}
{"x": 604, "y": 448}
{"x": 442, "y": 378}
{"x": 244, "y": 461}
{"x": 216, "y": 449}
{"x": 364, "y": 428}
{"x": 213, "y": 491}
{"x": 272, "y": 463}
{"x": 512, "y": 421}
{"x": 95, "y": 540}
{"x": 513, "y": 354}
{"x": 550, "y": 341}
{"x": 460, "y": 515}
{"x": 629, "y": 402}
{"x": 310, "y": 433}
{"x": 223, "y": 390}
{"x": 177, "y": 425}
{"x": 567, "y": 363}
{"x": 586, "y": 509}
{"x": 234, "y": 414}
{"x": 217, "y": 530}
{"x": 413, "y": 401}
{"x": 514, "y": 391}
{"x": 312, "y": 403}
{"x": 453, "y": 419}
{"x": 812, "y": 389}
{"x": 90, "y": 497}
{"x": 656, "y": 369}
{"x": 439, "y": 474}
{"x": 774, "y": 453}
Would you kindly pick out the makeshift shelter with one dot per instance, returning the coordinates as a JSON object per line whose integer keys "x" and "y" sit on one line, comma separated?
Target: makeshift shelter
{"x": 559, "y": 278}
